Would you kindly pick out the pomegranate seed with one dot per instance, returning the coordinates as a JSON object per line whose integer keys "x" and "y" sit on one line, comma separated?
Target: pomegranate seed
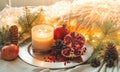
{"x": 76, "y": 52}
{"x": 66, "y": 52}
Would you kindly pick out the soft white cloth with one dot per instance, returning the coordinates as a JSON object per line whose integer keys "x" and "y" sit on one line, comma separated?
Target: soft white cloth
{"x": 20, "y": 66}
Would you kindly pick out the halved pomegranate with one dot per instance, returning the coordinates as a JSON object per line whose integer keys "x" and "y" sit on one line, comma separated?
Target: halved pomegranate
{"x": 74, "y": 40}
{"x": 74, "y": 45}
{"x": 69, "y": 53}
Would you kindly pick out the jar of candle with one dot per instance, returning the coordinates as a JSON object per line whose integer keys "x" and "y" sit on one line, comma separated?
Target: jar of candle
{"x": 42, "y": 37}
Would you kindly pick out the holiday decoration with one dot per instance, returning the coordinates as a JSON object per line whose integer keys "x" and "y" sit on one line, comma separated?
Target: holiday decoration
{"x": 42, "y": 37}
{"x": 110, "y": 56}
{"x": 95, "y": 22}
{"x": 110, "y": 63}
{"x": 14, "y": 34}
{"x": 60, "y": 32}
{"x": 27, "y": 21}
{"x": 74, "y": 45}
{"x": 57, "y": 47}
{"x": 110, "y": 53}
{"x": 108, "y": 34}
{"x": 9, "y": 52}
{"x": 60, "y": 52}
{"x": 95, "y": 62}
{"x": 55, "y": 52}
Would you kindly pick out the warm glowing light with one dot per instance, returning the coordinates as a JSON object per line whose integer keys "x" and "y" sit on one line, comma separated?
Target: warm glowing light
{"x": 118, "y": 33}
{"x": 19, "y": 29}
{"x": 72, "y": 24}
{"x": 93, "y": 41}
{"x": 55, "y": 26}
{"x": 7, "y": 5}
{"x": 9, "y": 19}
{"x": 79, "y": 15}
{"x": 42, "y": 37}
{"x": 97, "y": 34}
{"x": 86, "y": 37}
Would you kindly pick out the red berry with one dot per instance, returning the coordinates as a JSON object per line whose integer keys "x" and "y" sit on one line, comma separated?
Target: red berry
{"x": 60, "y": 32}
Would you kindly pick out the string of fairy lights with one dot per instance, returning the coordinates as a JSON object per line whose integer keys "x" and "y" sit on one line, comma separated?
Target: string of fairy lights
{"x": 78, "y": 14}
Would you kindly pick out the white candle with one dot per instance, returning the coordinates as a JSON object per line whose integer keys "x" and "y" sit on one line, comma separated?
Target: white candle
{"x": 42, "y": 37}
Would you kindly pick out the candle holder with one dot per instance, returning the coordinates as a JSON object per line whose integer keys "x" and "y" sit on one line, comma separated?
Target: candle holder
{"x": 42, "y": 38}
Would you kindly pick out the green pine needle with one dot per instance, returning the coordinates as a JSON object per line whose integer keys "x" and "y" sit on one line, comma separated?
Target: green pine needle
{"x": 27, "y": 21}
{"x": 109, "y": 35}
{"x": 4, "y": 35}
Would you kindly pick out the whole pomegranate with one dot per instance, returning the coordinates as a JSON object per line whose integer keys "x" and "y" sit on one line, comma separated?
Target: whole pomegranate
{"x": 60, "y": 32}
{"x": 9, "y": 52}
{"x": 74, "y": 45}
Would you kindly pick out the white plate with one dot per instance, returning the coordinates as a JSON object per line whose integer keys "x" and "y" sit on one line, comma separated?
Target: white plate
{"x": 24, "y": 54}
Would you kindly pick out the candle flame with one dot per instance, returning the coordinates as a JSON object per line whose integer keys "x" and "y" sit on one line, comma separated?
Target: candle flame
{"x": 45, "y": 30}
{"x": 39, "y": 30}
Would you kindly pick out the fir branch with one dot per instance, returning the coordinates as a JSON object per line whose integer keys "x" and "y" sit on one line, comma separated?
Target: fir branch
{"x": 4, "y": 35}
{"x": 27, "y": 13}
{"x": 36, "y": 16}
{"x": 107, "y": 26}
{"x": 26, "y": 21}
{"x": 97, "y": 52}
{"x": 107, "y": 29}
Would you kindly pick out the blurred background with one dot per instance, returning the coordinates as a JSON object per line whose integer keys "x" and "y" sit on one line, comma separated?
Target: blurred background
{"x": 18, "y": 3}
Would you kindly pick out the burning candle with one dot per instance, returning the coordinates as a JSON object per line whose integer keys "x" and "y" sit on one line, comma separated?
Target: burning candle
{"x": 42, "y": 37}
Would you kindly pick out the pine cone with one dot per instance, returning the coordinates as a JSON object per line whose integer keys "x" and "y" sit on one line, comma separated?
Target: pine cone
{"x": 14, "y": 34}
{"x": 58, "y": 47}
{"x": 110, "y": 63}
{"x": 95, "y": 63}
{"x": 110, "y": 53}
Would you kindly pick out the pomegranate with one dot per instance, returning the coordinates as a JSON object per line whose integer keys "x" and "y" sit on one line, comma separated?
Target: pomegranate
{"x": 9, "y": 52}
{"x": 60, "y": 32}
{"x": 69, "y": 53}
{"x": 74, "y": 45}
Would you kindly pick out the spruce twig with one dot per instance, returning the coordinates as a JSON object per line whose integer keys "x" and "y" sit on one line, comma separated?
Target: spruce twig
{"x": 36, "y": 16}
{"x": 109, "y": 34}
{"x": 4, "y": 35}
{"x": 27, "y": 21}
{"x": 96, "y": 51}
